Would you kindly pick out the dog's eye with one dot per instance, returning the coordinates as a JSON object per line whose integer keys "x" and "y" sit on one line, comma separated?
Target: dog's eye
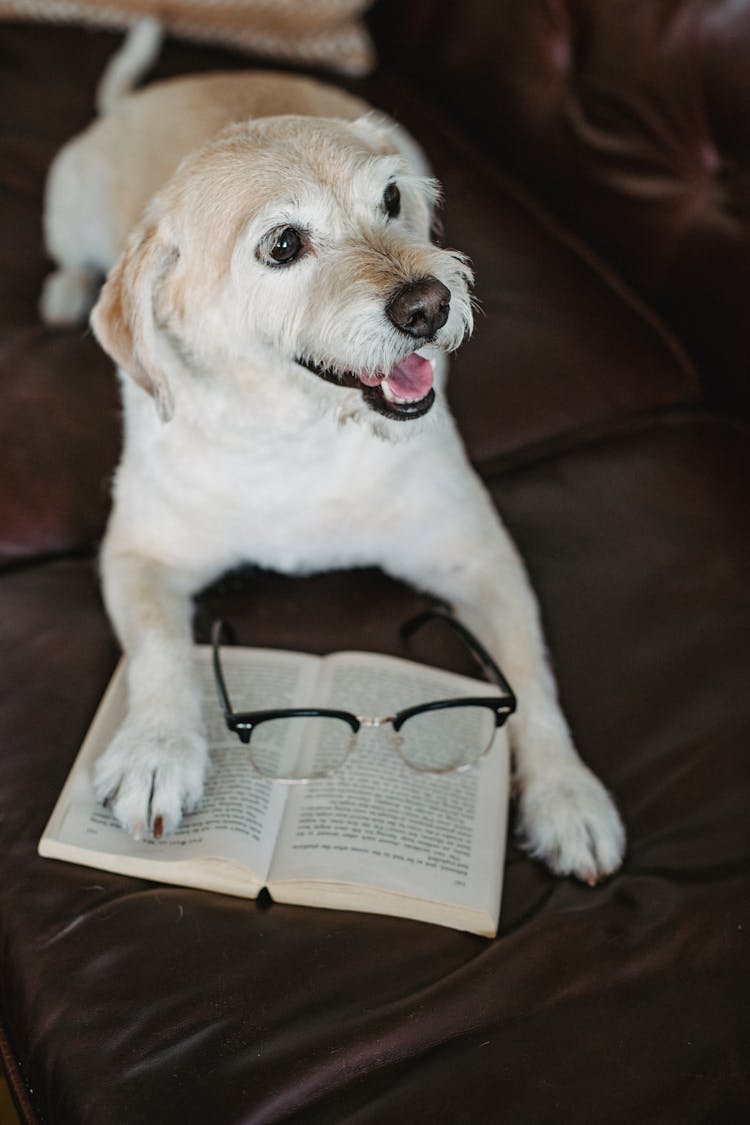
{"x": 286, "y": 246}
{"x": 392, "y": 201}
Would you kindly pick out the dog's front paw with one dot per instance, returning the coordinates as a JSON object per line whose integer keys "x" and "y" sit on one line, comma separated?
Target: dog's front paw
{"x": 149, "y": 778}
{"x": 568, "y": 820}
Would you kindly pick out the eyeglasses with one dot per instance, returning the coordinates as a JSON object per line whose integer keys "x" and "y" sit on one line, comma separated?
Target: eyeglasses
{"x": 440, "y": 736}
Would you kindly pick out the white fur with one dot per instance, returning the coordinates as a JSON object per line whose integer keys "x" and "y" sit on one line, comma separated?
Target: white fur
{"x": 260, "y": 460}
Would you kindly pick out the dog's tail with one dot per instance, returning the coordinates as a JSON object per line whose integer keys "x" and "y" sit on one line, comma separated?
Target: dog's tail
{"x": 138, "y": 54}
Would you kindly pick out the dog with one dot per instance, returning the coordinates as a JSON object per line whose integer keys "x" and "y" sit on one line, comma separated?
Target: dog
{"x": 280, "y": 320}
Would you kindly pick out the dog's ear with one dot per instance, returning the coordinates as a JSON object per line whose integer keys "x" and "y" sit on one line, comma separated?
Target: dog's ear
{"x": 124, "y": 318}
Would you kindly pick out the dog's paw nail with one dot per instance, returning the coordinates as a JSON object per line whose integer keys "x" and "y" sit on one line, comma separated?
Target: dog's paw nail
{"x": 158, "y": 827}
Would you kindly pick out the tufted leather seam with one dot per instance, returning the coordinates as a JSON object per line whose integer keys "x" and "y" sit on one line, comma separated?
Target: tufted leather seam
{"x": 603, "y": 433}
{"x": 15, "y": 1081}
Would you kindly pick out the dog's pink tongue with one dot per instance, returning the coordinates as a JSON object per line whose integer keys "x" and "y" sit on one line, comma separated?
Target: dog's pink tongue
{"x": 411, "y": 379}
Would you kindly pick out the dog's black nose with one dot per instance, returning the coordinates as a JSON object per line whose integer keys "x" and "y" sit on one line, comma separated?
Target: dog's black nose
{"x": 419, "y": 308}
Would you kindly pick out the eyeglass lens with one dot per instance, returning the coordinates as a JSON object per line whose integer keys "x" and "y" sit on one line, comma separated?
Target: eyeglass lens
{"x": 447, "y": 739}
{"x": 300, "y": 747}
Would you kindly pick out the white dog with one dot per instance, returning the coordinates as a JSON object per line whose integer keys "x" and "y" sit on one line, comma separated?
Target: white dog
{"x": 280, "y": 320}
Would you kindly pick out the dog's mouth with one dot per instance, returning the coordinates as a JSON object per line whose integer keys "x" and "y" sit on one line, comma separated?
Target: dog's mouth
{"x": 404, "y": 393}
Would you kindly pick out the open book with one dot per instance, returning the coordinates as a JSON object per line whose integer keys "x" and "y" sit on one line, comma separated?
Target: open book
{"x": 375, "y": 836}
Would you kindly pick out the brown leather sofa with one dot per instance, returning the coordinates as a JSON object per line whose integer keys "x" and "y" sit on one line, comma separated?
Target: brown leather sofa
{"x": 603, "y": 398}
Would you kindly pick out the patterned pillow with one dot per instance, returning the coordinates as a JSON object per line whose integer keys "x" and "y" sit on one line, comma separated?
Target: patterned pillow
{"x": 328, "y": 34}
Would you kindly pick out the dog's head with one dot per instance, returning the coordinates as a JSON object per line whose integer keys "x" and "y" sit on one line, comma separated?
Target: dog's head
{"x": 291, "y": 247}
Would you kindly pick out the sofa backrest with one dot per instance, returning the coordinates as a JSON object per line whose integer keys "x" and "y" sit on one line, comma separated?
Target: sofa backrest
{"x": 631, "y": 118}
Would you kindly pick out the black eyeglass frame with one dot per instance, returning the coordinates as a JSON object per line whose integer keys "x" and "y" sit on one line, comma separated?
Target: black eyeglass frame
{"x": 243, "y": 723}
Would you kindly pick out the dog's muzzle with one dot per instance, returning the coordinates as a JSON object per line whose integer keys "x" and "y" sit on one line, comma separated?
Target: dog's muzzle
{"x": 403, "y": 394}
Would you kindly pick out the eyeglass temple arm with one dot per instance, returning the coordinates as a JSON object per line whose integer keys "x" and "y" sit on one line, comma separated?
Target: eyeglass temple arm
{"x": 490, "y": 668}
{"x": 408, "y": 629}
{"x": 219, "y": 629}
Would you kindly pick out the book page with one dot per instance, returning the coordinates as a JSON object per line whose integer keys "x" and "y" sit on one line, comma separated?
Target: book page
{"x": 380, "y": 823}
{"x": 239, "y": 816}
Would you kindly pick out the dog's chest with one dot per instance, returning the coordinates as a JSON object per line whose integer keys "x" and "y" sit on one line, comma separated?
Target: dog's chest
{"x": 323, "y": 496}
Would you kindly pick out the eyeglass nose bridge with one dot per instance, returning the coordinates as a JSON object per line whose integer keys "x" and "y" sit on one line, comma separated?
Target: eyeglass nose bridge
{"x": 374, "y": 723}
{"x": 392, "y": 736}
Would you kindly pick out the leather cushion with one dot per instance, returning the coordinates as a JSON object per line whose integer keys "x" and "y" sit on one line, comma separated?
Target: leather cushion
{"x": 125, "y": 1001}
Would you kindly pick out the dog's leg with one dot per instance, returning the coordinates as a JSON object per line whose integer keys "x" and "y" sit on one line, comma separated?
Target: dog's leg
{"x": 566, "y": 817}
{"x": 153, "y": 770}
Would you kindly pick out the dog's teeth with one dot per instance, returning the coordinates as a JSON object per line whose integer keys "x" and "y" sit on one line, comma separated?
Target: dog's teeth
{"x": 388, "y": 394}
